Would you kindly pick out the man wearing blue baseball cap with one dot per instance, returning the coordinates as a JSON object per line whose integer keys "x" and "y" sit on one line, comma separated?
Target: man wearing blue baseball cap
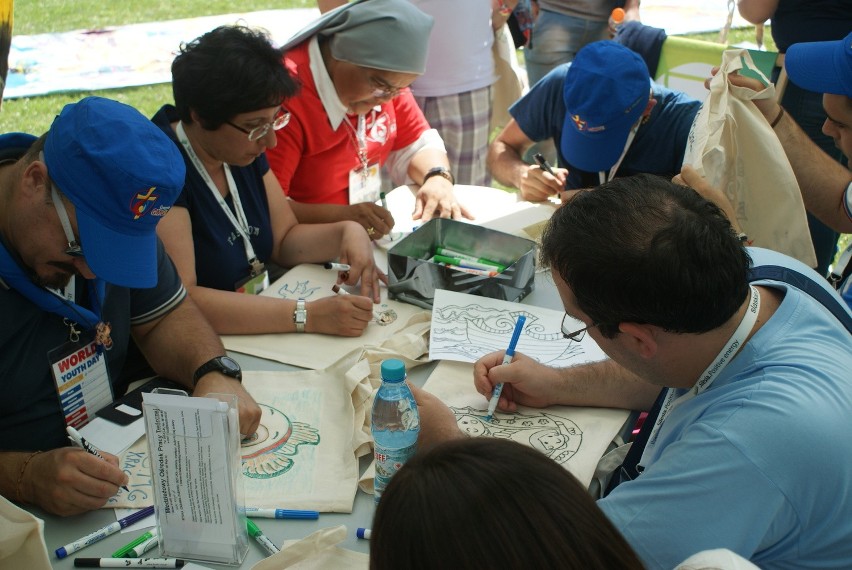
{"x": 605, "y": 116}
{"x": 81, "y": 269}
{"x": 822, "y": 67}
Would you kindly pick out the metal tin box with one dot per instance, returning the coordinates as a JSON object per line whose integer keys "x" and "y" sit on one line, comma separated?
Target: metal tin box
{"x": 412, "y": 278}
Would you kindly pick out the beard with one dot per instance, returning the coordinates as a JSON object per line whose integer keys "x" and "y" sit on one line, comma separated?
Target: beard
{"x": 57, "y": 280}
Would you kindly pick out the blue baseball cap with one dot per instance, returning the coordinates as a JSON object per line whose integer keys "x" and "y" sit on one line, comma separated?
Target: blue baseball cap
{"x": 122, "y": 173}
{"x": 822, "y": 67}
{"x": 606, "y": 90}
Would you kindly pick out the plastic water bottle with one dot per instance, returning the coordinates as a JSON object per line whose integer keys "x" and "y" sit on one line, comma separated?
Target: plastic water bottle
{"x": 616, "y": 19}
{"x": 395, "y": 424}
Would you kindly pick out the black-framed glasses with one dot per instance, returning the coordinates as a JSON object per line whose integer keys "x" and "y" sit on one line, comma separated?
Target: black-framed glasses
{"x": 575, "y": 335}
{"x": 282, "y": 117}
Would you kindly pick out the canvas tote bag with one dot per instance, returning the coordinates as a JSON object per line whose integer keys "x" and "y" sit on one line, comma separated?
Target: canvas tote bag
{"x": 732, "y": 145}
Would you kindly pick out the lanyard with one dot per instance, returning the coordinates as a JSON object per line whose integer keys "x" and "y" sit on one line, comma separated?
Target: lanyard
{"x": 361, "y": 138}
{"x": 52, "y": 302}
{"x": 239, "y": 222}
{"x": 734, "y": 344}
{"x": 602, "y": 175}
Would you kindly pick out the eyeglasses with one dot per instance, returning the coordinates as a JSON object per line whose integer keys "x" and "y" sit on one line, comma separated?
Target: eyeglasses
{"x": 576, "y": 335}
{"x": 382, "y": 90}
{"x": 282, "y": 117}
{"x": 75, "y": 248}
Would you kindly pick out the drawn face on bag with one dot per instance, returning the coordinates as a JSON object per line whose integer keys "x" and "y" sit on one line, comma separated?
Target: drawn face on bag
{"x": 838, "y": 125}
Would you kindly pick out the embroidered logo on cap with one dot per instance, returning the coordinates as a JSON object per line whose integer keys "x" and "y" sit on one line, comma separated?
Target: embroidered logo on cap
{"x": 140, "y": 202}
{"x": 579, "y": 123}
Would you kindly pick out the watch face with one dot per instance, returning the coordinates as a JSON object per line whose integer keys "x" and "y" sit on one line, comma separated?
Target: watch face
{"x": 230, "y": 363}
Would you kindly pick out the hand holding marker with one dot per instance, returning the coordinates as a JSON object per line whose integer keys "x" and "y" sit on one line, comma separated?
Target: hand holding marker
{"x": 510, "y": 352}
{"x": 81, "y": 442}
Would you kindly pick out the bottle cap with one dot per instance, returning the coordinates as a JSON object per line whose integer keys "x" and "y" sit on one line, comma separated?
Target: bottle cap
{"x": 393, "y": 370}
{"x": 617, "y": 15}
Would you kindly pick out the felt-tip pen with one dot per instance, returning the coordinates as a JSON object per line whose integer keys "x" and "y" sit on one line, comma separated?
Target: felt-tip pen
{"x": 464, "y": 263}
{"x": 507, "y": 358}
{"x": 261, "y": 538}
{"x": 453, "y": 253}
{"x": 128, "y": 563}
{"x": 259, "y": 513}
{"x": 81, "y": 442}
{"x": 336, "y": 266}
{"x": 139, "y": 546}
{"x": 103, "y": 532}
{"x": 364, "y": 533}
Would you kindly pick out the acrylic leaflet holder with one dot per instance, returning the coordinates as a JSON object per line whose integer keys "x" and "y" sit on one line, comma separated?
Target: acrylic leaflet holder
{"x": 195, "y": 466}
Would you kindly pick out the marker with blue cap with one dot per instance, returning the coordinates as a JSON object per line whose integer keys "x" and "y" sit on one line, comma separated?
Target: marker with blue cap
{"x": 258, "y": 513}
{"x": 103, "y": 532}
{"x": 510, "y": 353}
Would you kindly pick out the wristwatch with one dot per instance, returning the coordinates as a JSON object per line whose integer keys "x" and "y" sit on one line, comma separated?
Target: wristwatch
{"x": 441, "y": 171}
{"x": 224, "y": 364}
{"x": 300, "y": 315}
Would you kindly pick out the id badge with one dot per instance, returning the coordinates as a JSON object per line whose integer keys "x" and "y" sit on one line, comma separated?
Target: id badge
{"x": 253, "y": 285}
{"x": 365, "y": 184}
{"x": 82, "y": 380}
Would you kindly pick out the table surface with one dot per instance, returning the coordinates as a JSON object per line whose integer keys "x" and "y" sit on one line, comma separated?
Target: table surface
{"x": 59, "y": 531}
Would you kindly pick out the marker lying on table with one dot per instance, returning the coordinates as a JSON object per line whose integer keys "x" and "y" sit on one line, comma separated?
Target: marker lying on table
{"x": 139, "y": 546}
{"x": 364, "y": 533}
{"x": 510, "y": 352}
{"x": 259, "y": 513}
{"x": 103, "y": 532}
{"x": 128, "y": 563}
{"x": 336, "y": 266}
{"x": 261, "y": 538}
{"x": 464, "y": 256}
{"x": 81, "y": 442}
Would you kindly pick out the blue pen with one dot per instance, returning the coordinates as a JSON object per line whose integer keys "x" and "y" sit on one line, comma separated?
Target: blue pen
{"x": 258, "y": 513}
{"x": 103, "y": 532}
{"x": 510, "y": 352}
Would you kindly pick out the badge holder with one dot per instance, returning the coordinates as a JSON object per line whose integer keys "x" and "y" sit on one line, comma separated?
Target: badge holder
{"x": 194, "y": 445}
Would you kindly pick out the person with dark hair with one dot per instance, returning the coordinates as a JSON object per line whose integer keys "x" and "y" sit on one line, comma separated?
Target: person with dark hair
{"x": 81, "y": 270}
{"x": 528, "y": 512}
{"x": 232, "y": 220}
{"x": 355, "y": 116}
{"x": 748, "y": 446}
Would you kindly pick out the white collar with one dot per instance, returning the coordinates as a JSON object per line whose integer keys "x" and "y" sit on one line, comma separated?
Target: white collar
{"x": 335, "y": 110}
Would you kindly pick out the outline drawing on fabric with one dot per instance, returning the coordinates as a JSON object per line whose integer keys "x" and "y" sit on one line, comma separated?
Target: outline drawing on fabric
{"x": 468, "y": 332}
{"x": 268, "y": 453}
{"x": 557, "y": 437}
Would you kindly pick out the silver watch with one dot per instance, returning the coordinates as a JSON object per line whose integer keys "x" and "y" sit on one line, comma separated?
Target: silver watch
{"x": 300, "y": 315}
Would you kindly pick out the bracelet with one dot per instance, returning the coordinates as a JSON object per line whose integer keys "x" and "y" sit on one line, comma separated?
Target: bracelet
{"x": 21, "y": 476}
{"x": 742, "y": 237}
{"x": 778, "y": 117}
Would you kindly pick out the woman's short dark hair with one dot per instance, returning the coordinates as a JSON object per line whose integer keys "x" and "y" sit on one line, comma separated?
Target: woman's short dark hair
{"x": 228, "y": 71}
{"x": 491, "y": 503}
{"x": 646, "y": 250}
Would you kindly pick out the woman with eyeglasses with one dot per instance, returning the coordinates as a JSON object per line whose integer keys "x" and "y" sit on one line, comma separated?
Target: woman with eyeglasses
{"x": 232, "y": 220}
{"x": 355, "y": 114}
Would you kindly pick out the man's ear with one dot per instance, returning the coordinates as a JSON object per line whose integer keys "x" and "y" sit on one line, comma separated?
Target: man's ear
{"x": 35, "y": 178}
{"x": 651, "y": 104}
{"x": 642, "y": 339}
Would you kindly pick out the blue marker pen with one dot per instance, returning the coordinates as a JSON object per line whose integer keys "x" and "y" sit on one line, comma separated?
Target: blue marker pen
{"x": 510, "y": 352}
{"x": 259, "y": 513}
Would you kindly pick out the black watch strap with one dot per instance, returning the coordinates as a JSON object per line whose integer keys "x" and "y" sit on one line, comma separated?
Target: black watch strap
{"x": 223, "y": 364}
{"x": 441, "y": 171}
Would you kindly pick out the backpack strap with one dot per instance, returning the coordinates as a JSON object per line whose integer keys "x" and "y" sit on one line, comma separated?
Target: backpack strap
{"x": 808, "y": 285}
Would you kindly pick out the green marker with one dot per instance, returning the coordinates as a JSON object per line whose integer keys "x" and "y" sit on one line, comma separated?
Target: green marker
{"x": 261, "y": 538}
{"x": 130, "y": 551}
{"x": 464, "y": 256}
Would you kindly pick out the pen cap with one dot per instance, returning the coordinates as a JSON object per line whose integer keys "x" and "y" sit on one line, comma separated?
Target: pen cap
{"x": 617, "y": 16}
{"x": 393, "y": 370}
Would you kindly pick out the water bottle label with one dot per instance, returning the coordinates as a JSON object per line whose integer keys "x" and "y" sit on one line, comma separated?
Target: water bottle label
{"x": 388, "y": 462}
